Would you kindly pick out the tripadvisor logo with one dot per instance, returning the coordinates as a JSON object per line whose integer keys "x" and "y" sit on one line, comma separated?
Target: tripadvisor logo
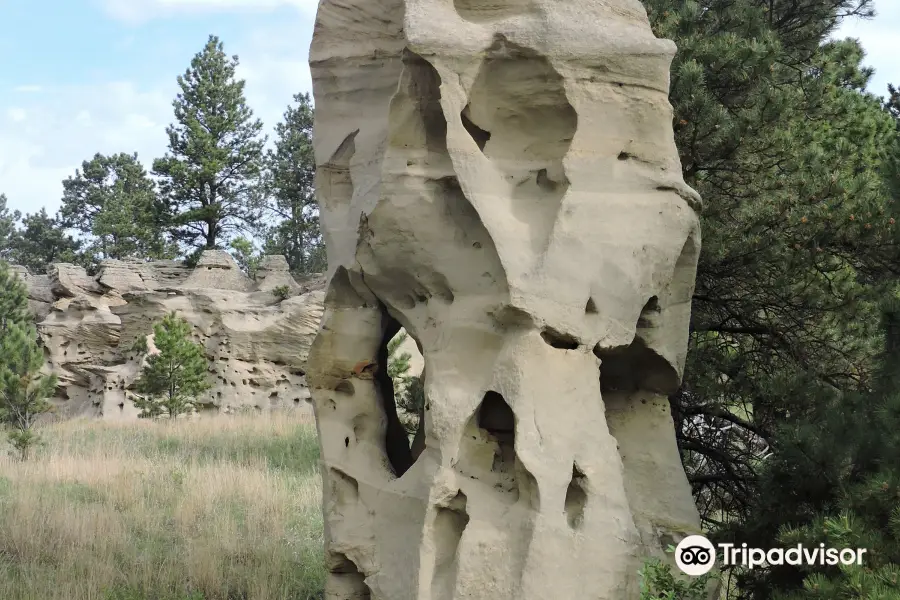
{"x": 696, "y": 555}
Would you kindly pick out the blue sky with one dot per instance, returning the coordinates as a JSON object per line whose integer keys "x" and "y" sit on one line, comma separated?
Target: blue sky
{"x": 84, "y": 76}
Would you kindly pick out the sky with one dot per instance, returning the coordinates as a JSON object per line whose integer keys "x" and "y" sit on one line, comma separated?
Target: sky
{"x": 79, "y": 77}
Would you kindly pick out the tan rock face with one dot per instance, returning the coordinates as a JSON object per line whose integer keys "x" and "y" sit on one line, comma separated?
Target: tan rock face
{"x": 256, "y": 343}
{"x": 500, "y": 179}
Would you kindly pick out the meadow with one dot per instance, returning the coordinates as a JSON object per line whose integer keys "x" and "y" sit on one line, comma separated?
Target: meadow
{"x": 211, "y": 509}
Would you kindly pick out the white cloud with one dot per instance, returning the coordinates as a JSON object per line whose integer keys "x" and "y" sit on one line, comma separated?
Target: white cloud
{"x": 137, "y": 11}
{"x": 27, "y": 89}
{"x": 69, "y": 124}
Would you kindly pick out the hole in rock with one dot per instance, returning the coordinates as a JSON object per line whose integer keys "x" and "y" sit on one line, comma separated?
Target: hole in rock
{"x": 635, "y": 366}
{"x": 346, "y": 442}
{"x": 478, "y": 134}
{"x": 450, "y": 522}
{"x": 488, "y": 455}
{"x": 519, "y": 98}
{"x": 547, "y": 185}
{"x": 351, "y": 582}
{"x": 425, "y": 126}
{"x": 576, "y": 498}
{"x": 497, "y": 418}
{"x": 333, "y": 182}
{"x": 651, "y": 309}
{"x": 345, "y": 386}
{"x": 623, "y": 155}
{"x": 590, "y": 308}
{"x": 563, "y": 341}
{"x": 487, "y": 448}
{"x": 396, "y": 440}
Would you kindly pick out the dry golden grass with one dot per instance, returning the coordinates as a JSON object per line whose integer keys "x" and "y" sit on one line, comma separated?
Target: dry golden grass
{"x": 216, "y": 509}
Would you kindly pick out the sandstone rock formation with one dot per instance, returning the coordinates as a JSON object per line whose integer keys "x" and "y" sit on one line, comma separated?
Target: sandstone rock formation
{"x": 500, "y": 178}
{"x": 256, "y": 343}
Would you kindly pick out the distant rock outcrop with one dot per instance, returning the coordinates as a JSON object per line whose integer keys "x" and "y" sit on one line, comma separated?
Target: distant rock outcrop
{"x": 92, "y": 329}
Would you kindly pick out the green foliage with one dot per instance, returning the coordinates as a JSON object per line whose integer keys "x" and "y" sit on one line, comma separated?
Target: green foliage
{"x": 789, "y": 153}
{"x": 245, "y": 255}
{"x": 175, "y": 375}
{"x": 210, "y": 178}
{"x": 282, "y": 292}
{"x": 42, "y": 240}
{"x": 409, "y": 390}
{"x": 8, "y": 231}
{"x": 835, "y": 480}
{"x": 297, "y": 453}
{"x": 23, "y": 389}
{"x": 659, "y": 583}
{"x": 139, "y": 345}
{"x": 113, "y": 202}
{"x": 292, "y": 170}
{"x": 398, "y": 362}
{"x": 412, "y": 400}
{"x": 133, "y": 593}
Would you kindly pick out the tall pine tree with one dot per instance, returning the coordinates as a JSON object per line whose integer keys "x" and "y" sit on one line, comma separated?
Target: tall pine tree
{"x": 292, "y": 169}
{"x": 210, "y": 178}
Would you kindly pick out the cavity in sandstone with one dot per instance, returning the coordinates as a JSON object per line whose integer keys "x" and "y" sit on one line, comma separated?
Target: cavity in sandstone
{"x": 500, "y": 179}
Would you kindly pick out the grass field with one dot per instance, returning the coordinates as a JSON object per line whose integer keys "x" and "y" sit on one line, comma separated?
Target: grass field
{"x": 217, "y": 509}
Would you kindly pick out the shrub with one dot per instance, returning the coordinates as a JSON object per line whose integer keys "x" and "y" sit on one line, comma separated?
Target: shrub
{"x": 659, "y": 583}
{"x": 282, "y": 292}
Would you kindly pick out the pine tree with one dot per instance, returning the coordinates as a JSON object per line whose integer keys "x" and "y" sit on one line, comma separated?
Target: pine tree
{"x": 42, "y": 240}
{"x": 8, "y": 231}
{"x": 245, "y": 255}
{"x": 775, "y": 130}
{"x": 292, "y": 169}
{"x": 113, "y": 202}
{"x": 398, "y": 362}
{"x": 175, "y": 375}
{"x": 23, "y": 389}
{"x": 835, "y": 480}
{"x": 210, "y": 178}
{"x": 409, "y": 390}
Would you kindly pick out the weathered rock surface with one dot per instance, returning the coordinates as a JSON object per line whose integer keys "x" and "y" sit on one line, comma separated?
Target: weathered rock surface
{"x": 500, "y": 178}
{"x": 256, "y": 343}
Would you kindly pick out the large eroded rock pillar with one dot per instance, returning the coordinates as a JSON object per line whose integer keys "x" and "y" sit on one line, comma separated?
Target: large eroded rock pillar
{"x": 499, "y": 177}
